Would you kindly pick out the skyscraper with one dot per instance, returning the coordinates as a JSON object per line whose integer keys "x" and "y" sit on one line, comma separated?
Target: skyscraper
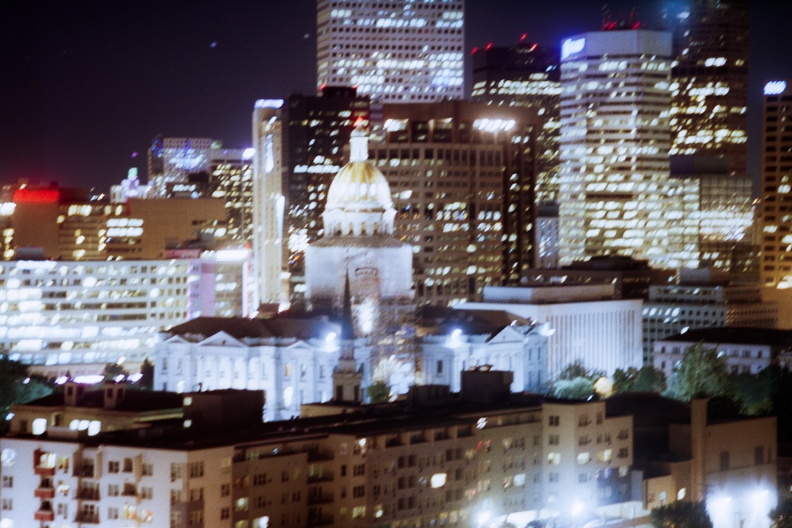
{"x": 396, "y": 51}
{"x": 776, "y": 250}
{"x": 709, "y": 78}
{"x": 171, "y": 159}
{"x": 525, "y": 75}
{"x": 269, "y": 202}
{"x": 462, "y": 178}
{"x": 616, "y": 197}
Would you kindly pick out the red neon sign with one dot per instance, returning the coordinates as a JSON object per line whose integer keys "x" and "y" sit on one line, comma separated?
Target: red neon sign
{"x": 36, "y": 196}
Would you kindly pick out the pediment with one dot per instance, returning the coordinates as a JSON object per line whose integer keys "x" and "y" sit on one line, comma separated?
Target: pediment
{"x": 300, "y": 346}
{"x": 506, "y": 335}
{"x": 222, "y": 339}
{"x": 176, "y": 339}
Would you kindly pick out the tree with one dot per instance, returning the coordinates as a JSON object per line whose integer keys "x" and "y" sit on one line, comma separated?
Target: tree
{"x": 701, "y": 373}
{"x": 18, "y": 386}
{"x": 378, "y": 392}
{"x": 681, "y": 514}
{"x": 623, "y": 380}
{"x": 579, "y": 388}
{"x": 781, "y": 515}
{"x": 649, "y": 379}
{"x": 146, "y": 375}
{"x": 578, "y": 370}
{"x": 113, "y": 370}
{"x": 753, "y": 393}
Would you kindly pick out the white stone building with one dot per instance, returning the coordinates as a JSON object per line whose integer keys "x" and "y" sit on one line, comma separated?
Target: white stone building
{"x": 292, "y": 359}
{"x": 703, "y": 299}
{"x": 747, "y": 350}
{"x": 358, "y": 248}
{"x": 586, "y": 324}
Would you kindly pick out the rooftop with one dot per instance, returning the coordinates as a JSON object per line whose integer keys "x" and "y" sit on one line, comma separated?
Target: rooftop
{"x": 736, "y": 336}
{"x": 280, "y": 326}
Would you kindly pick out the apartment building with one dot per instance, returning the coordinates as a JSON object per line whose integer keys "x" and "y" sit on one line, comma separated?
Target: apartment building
{"x": 437, "y": 458}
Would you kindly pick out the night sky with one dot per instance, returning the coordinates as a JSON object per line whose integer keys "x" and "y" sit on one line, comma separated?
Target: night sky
{"x": 84, "y": 85}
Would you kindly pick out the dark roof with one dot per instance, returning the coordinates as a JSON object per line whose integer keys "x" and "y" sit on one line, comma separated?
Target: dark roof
{"x": 473, "y": 322}
{"x": 735, "y": 335}
{"x": 134, "y": 400}
{"x": 279, "y": 326}
{"x": 379, "y": 419}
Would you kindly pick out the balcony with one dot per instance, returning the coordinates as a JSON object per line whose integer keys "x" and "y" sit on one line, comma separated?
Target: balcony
{"x": 44, "y": 515}
{"x": 320, "y": 499}
{"x": 44, "y": 471}
{"x": 130, "y": 490}
{"x": 44, "y": 493}
{"x": 87, "y": 517}
{"x": 84, "y": 471}
{"x": 324, "y": 520}
{"x": 88, "y": 494}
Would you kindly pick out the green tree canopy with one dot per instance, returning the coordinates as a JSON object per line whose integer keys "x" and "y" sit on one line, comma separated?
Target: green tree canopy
{"x": 681, "y": 514}
{"x": 378, "y": 392}
{"x": 17, "y": 386}
{"x": 578, "y": 370}
{"x": 645, "y": 379}
{"x": 649, "y": 379}
{"x": 579, "y": 388}
{"x": 753, "y": 393}
{"x": 701, "y": 373}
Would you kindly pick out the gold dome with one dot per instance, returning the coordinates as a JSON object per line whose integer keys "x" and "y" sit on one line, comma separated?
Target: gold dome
{"x": 359, "y": 185}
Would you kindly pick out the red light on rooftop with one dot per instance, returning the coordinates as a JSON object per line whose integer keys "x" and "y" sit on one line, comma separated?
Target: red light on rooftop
{"x": 474, "y": 50}
{"x": 637, "y": 25}
{"x": 534, "y": 47}
{"x": 523, "y": 37}
{"x": 488, "y": 47}
{"x": 36, "y": 196}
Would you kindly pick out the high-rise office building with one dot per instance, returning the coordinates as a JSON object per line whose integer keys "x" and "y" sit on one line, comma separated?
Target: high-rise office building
{"x": 525, "y": 75}
{"x": 616, "y": 197}
{"x": 171, "y": 159}
{"x": 725, "y": 212}
{"x": 268, "y": 213}
{"x": 776, "y": 244}
{"x": 709, "y": 78}
{"x": 462, "y": 179}
{"x": 231, "y": 180}
{"x": 397, "y": 51}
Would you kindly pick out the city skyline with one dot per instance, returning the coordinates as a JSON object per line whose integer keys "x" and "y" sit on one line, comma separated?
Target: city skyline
{"x": 86, "y": 87}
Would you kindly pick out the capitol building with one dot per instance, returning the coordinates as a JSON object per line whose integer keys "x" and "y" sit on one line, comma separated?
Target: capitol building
{"x": 361, "y": 274}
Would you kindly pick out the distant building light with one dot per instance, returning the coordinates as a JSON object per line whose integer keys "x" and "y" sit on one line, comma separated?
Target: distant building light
{"x": 90, "y": 379}
{"x": 494, "y": 125}
{"x": 572, "y": 46}
{"x": 774, "y": 87}
{"x": 248, "y": 153}
{"x": 231, "y": 255}
{"x": 269, "y": 103}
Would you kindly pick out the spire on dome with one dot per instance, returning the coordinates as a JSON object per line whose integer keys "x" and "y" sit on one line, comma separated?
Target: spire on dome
{"x": 358, "y": 142}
